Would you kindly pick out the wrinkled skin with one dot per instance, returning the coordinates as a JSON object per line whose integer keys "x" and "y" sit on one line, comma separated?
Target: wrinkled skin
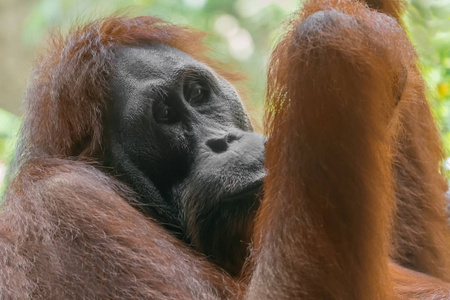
{"x": 181, "y": 139}
{"x": 353, "y": 203}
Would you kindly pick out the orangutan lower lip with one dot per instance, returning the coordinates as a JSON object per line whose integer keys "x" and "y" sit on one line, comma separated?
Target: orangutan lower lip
{"x": 250, "y": 191}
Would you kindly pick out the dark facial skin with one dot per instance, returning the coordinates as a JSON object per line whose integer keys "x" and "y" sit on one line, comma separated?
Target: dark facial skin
{"x": 180, "y": 138}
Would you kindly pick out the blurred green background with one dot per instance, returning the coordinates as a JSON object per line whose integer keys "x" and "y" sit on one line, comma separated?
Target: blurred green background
{"x": 241, "y": 34}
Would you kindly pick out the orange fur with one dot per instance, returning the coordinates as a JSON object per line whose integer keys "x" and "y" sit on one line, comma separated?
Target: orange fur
{"x": 344, "y": 96}
{"x": 353, "y": 208}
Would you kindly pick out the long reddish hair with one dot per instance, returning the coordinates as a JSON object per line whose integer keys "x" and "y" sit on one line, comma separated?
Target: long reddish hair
{"x": 67, "y": 95}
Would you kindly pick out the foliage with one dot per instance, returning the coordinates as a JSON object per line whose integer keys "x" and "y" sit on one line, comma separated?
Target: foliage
{"x": 429, "y": 25}
{"x": 9, "y": 126}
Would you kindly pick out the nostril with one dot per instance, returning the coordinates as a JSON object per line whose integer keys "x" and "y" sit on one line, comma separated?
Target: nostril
{"x": 231, "y": 138}
{"x": 218, "y": 145}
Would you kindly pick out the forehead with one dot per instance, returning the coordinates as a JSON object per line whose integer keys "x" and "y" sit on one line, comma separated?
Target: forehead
{"x": 153, "y": 61}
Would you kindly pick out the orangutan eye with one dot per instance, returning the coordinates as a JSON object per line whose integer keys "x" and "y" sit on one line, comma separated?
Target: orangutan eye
{"x": 196, "y": 93}
{"x": 163, "y": 113}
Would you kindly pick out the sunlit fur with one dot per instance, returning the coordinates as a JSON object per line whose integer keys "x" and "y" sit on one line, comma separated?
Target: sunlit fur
{"x": 346, "y": 100}
{"x": 66, "y": 98}
{"x": 67, "y": 229}
{"x": 353, "y": 206}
